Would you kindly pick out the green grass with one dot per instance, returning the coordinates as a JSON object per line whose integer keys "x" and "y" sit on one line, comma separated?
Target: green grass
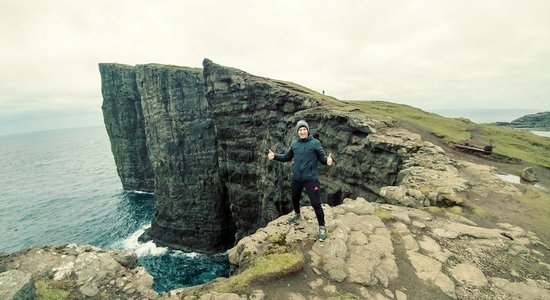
{"x": 457, "y": 210}
{"x": 479, "y": 211}
{"x": 296, "y": 87}
{"x": 452, "y": 130}
{"x": 384, "y": 215}
{"x": 263, "y": 268}
{"x": 278, "y": 264}
{"x": 47, "y": 289}
{"x": 277, "y": 239}
{"x": 518, "y": 143}
{"x": 508, "y": 142}
{"x": 434, "y": 210}
{"x": 539, "y": 202}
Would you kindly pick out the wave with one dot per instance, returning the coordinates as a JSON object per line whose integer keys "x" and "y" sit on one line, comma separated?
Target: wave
{"x": 139, "y": 192}
{"x": 131, "y": 243}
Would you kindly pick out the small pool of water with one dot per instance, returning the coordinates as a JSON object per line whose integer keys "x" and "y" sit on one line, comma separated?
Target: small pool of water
{"x": 510, "y": 178}
{"x": 541, "y": 133}
{"x": 517, "y": 180}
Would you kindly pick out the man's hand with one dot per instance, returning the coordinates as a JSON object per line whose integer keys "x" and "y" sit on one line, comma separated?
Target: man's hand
{"x": 270, "y": 155}
{"x": 329, "y": 159}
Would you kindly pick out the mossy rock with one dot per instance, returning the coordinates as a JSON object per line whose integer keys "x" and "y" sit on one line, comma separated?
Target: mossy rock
{"x": 457, "y": 210}
{"x": 450, "y": 200}
{"x": 384, "y": 215}
{"x": 277, "y": 239}
{"x": 263, "y": 268}
{"x": 48, "y": 289}
{"x": 434, "y": 210}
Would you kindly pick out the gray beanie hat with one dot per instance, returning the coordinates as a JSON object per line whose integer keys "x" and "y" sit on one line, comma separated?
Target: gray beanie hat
{"x": 302, "y": 123}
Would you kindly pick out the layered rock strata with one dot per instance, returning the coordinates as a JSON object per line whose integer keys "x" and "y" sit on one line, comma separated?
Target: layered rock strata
{"x": 123, "y": 118}
{"x": 206, "y": 135}
{"x": 181, "y": 142}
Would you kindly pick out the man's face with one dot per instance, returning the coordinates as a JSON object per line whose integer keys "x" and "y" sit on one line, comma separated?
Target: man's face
{"x": 302, "y": 132}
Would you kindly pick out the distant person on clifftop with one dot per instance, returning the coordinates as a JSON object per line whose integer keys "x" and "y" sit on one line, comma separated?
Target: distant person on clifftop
{"x": 306, "y": 151}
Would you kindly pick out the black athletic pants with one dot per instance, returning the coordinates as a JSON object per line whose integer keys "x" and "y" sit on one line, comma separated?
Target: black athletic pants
{"x": 313, "y": 190}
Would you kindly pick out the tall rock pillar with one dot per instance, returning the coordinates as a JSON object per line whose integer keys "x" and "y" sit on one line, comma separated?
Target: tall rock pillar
{"x": 191, "y": 210}
{"x": 124, "y": 122}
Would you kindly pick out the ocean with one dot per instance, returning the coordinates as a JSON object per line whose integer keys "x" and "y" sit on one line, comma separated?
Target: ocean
{"x": 61, "y": 186}
{"x": 480, "y": 116}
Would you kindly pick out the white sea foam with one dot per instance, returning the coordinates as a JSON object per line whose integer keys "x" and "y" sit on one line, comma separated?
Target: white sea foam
{"x": 139, "y": 192}
{"x": 185, "y": 254}
{"x": 141, "y": 249}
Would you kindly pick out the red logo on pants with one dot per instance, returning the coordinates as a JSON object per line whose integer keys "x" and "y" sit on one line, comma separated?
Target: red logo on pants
{"x": 316, "y": 188}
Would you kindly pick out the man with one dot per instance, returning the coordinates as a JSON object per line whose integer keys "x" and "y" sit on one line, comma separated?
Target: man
{"x": 306, "y": 151}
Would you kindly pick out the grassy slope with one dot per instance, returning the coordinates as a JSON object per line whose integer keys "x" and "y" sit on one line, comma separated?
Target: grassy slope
{"x": 298, "y": 88}
{"x": 509, "y": 142}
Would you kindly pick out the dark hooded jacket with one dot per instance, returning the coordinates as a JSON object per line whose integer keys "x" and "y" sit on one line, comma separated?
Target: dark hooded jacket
{"x": 305, "y": 153}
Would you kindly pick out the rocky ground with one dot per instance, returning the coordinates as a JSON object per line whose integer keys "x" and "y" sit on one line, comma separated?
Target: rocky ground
{"x": 381, "y": 251}
{"x": 73, "y": 272}
{"x": 416, "y": 250}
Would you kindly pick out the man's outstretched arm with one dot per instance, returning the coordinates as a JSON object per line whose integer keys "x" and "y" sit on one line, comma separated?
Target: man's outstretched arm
{"x": 287, "y": 156}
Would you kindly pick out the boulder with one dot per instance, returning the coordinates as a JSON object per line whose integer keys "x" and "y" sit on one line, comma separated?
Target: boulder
{"x": 82, "y": 271}
{"x": 469, "y": 274}
{"x": 529, "y": 174}
{"x": 17, "y": 285}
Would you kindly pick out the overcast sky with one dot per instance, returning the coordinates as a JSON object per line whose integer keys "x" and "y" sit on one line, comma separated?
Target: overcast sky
{"x": 428, "y": 54}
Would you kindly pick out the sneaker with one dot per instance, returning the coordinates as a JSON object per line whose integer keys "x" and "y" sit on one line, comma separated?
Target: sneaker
{"x": 294, "y": 219}
{"x": 322, "y": 233}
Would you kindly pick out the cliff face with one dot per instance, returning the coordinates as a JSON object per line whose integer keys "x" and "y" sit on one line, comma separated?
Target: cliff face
{"x": 123, "y": 119}
{"x": 254, "y": 114}
{"x": 190, "y": 202}
{"x": 207, "y": 134}
{"x": 538, "y": 120}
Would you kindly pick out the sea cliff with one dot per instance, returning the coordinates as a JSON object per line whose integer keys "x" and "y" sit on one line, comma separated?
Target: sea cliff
{"x": 206, "y": 134}
{"x": 538, "y": 121}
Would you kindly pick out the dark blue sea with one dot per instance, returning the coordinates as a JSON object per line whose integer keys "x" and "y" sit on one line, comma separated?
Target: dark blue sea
{"x": 61, "y": 187}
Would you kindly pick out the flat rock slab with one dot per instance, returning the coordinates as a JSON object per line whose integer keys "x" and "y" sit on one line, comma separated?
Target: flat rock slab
{"x": 16, "y": 285}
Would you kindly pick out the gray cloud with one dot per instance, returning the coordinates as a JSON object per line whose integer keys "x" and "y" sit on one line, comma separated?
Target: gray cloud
{"x": 428, "y": 54}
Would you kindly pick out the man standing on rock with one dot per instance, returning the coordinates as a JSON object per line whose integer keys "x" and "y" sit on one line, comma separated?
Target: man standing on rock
{"x": 306, "y": 151}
